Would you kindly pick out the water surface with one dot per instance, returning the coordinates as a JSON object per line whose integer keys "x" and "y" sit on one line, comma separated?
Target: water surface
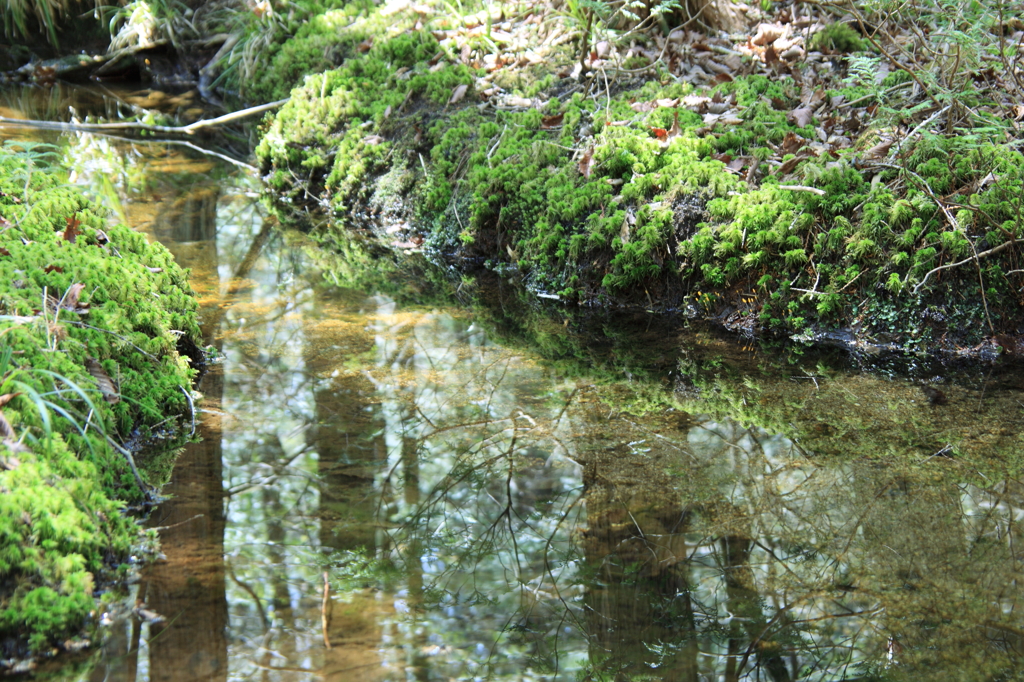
{"x": 394, "y": 487}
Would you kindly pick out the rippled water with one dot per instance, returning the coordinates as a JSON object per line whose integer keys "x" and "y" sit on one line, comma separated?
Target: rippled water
{"x": 388, "y": 489}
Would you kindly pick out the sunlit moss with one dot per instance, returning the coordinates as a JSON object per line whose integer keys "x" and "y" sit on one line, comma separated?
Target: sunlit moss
{"x": 79, "y": 299}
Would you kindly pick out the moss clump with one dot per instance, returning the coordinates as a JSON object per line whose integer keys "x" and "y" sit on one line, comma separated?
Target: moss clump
{"x": 318, "y": 44}
{"x": 838, "y": 37}
{"x": 91, "y": 317}
{"x": 326, "y": 137}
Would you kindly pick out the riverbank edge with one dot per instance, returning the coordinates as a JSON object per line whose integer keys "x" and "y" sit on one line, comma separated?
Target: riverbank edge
{"x": 100, "y": 344}
{"x": 623, "y": 196}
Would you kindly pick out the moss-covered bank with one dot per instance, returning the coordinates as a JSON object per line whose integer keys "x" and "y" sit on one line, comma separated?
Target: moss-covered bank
{"x": 95, "y": 323}
{"x": 635, "y": 191}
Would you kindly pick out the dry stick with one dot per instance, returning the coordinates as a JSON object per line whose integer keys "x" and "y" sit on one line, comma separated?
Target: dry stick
{"x": 135, "y": 125}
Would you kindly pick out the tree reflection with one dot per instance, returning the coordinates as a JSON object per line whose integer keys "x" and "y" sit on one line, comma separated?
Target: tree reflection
{"x": 481, "y": 516}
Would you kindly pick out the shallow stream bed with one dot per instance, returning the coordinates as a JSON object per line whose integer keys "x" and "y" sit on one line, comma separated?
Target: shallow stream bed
{"x": 387, "y": 489}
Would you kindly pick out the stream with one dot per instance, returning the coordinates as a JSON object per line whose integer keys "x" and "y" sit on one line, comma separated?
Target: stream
{"x": 393, "y": 486}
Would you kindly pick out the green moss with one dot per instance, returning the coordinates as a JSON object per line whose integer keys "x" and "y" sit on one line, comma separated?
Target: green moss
{"x": 838, "y": 37}
{"x": 335, "y": 129}
{"x": 61, "y": 493}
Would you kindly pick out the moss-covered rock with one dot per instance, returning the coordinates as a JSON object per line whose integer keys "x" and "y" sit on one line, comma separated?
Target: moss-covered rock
{"x": 91, "y": 320}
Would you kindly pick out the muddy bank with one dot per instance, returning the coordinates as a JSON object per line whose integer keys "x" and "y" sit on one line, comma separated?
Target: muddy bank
{"x": 99, "y": 348}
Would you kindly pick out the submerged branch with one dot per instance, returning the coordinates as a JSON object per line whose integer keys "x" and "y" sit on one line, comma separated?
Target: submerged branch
{"x": 135, "y": 125}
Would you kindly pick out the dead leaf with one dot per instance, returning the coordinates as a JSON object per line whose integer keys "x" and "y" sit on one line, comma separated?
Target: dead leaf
{"x": 627, "y": 222}
{"x": 70, "y": 300}
{"x": 103, "y": 381}
{"x": 737, "y": 164}
{"x": 675, "y": 130}
{"x": 792, "y": 143}
{"x": 53, "y": 268}
{"x": 642, "y": 107}
{"x": 660, "y": 133}
{"x": 387, "y": 112}
{"x": 789, "y": 165}
{"x": 585, "y": 163}
{"x": 458, "y": 93}
{"x": 373, "y": 140}
{"x": 801, "y": 116}
{"x": 4, "y": 252}
{"x": 7, "y": 397}
{"x": 878, "y": 152}
{"x": 695, "y": 101}
{"x": 723, "y": 78}
{"x": 667, "y": 103}
{"x": 767, "y": 34}
{"x": 551, "y": 121}
{"x": 72, "y": 231}
{"x": 792, "y": 53}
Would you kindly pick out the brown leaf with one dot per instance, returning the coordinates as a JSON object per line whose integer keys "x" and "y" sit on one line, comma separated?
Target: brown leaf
{"x": 585, "y": 163}
{"x": 675, "y": 130}
{"x": 801, "y": 116}
{"x": 792, "y": 143}
{"x": 458, "y": 93}
{"x": 72, "y": 231}
{"x": 698, "y": 103}
{"x": 767, "y": 34}
{"x": 4, "y": 252}
{"x": 723, "y": 78}
{"x": 660, "y": 133}
{"x": 7, "y": 397}
{"x": 879, "y": 151}
{"x": 642, "y": 107}
{"x": 373, "y": 140}
{"x": 70, "y": 300}
{"x": 791, "y": 164}
{"x": 771, "y": 56}
{"x": 53, "y": 268}
{"x": 551, "y": 121}
{"x": 103, "y": 381}
{"x": 737, "y": 164}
